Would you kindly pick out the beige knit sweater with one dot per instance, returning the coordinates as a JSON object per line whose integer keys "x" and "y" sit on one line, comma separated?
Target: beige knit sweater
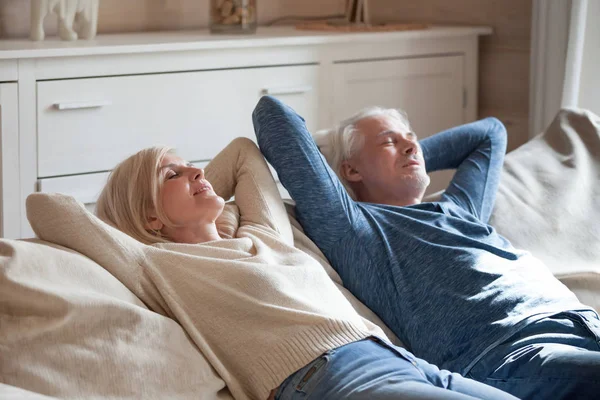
{"x": 258, "y": 308}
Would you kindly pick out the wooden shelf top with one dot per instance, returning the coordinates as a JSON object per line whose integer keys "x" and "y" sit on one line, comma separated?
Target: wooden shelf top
{"x": 147, "y": 42}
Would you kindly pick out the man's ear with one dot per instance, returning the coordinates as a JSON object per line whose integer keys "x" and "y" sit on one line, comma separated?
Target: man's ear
{"x": 349, "y": 173}
{"x": 153, "y": 223}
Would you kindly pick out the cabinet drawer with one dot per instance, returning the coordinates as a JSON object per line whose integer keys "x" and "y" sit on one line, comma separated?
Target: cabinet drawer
{"x": 89, "y": 125}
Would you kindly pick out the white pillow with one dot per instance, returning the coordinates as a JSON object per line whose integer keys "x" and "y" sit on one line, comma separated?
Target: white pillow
{"x": 70, "y": 329}
{"x": 548, "y": 201}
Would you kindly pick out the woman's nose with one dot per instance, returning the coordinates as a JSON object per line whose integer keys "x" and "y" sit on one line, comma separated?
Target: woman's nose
{"x": 198, "y": 174}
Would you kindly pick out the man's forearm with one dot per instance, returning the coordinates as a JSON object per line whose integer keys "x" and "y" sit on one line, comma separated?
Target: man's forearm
{"x": 476, "y": 150}
{"x": 288, "y": 145}
{"x": 450, "y": 148}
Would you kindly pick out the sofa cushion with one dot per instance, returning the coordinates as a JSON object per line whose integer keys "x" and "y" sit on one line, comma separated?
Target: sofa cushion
{"x": 72, "y": 330}
{"x": 548, "y": 201}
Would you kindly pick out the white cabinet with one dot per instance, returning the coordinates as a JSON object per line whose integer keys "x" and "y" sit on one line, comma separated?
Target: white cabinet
{"x": 430, "y": 90}
{"x": 198, "y": 113}
{"x": 9, "y": 143}
{"x": 85, "y": 106}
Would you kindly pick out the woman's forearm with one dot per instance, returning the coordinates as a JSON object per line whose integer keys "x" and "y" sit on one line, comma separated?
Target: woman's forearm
{"x": 241, "y": 170}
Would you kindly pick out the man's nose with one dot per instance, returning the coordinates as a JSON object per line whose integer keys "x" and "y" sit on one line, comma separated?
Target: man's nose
{"x": 410, "y": 148}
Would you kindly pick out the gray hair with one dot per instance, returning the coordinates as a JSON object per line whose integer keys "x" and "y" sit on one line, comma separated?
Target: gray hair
{"x": 341, "y": 142}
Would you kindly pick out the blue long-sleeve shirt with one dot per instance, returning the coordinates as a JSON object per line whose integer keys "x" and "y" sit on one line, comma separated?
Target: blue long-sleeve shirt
{"x": 443, "y": 280}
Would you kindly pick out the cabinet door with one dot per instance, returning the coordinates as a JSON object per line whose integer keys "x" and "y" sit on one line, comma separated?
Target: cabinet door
{"x": 429, "y": 90}
{"x": 10, "y": 211}
{"x": 89, "y": 125}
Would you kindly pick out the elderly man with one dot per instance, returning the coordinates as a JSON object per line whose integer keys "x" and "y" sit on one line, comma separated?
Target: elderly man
{"x": 452, "y": 289}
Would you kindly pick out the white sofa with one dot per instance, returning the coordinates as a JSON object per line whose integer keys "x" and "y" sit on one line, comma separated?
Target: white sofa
{"x": 69, "y": 329}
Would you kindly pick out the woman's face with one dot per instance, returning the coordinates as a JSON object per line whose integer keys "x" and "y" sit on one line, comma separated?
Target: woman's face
{"x": 187, "y": 197}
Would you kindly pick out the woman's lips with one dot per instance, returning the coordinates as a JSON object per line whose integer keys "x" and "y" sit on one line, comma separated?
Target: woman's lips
{"x": 202, "y": 189}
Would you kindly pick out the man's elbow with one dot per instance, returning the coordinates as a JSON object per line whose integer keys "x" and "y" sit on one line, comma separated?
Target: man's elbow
{"x": 496, "y": 132}
{"x": 267, "y": 106}
{"x": 263, "y": 112}
{"x": 267, "y": 102}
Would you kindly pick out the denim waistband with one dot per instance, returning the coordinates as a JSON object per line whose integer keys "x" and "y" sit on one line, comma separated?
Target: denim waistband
{"x": 585, "y": 324}
{"x": 297, "y": 377}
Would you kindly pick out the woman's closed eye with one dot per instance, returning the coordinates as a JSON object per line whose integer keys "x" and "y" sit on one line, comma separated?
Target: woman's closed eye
{"x": 171, "y": 175}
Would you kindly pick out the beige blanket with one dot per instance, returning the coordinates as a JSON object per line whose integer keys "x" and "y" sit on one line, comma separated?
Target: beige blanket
{"x": 549, "y": 201}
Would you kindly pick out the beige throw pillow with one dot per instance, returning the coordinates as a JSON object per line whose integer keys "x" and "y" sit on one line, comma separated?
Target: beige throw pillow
{"x": 548, "y": 201}
{"x": 69, "y": 329}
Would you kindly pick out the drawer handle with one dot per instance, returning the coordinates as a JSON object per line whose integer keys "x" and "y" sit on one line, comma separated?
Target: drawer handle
{"x": 286, "y": 90}
{"x": 81, "y": 104}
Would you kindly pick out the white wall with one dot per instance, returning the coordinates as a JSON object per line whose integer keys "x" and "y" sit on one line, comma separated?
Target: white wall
{"x": 589, "y": 89}
{"x": 565, "y": 59}
{"x": 549, "y": 44}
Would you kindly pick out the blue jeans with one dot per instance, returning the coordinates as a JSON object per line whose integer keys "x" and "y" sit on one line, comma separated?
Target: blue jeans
{"x": 554, "y": 358}
{"x": 374, "y": 370}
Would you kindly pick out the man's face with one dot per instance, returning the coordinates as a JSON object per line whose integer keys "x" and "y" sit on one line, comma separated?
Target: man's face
{"x": 390, "y": 165}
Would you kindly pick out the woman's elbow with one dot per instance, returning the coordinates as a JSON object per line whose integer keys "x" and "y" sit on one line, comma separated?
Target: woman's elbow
{"x": 243, "y": 145}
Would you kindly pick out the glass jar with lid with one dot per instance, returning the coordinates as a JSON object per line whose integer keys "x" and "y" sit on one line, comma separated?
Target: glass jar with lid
{"x": 233, "y": 16}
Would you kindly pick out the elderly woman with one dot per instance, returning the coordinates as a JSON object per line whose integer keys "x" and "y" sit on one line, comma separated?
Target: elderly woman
{"x": 265, "y": 314}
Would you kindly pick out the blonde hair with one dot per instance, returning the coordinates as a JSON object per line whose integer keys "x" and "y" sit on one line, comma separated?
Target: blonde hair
{"x": 341, "y": 142}
{"x": 132, "y": 193}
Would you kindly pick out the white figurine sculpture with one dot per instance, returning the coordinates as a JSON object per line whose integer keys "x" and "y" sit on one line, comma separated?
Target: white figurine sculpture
{"x": 83, "y": 12}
